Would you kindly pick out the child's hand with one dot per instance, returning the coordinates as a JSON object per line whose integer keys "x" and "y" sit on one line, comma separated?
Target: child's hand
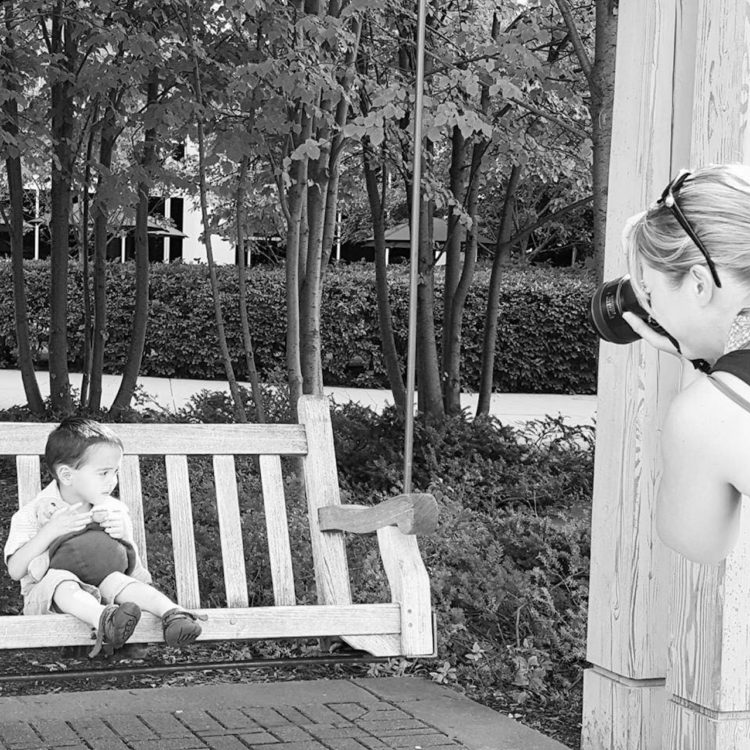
{"x": 113, "y": 520}
{"x": 67, "y": 520}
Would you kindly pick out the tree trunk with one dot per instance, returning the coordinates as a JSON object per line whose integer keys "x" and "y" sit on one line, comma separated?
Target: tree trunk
{"x": 252, "y": 371}
{"x": 602, "y": 101}
{"x": 452, "y": 330}
{"x": 100, "y": 213}
{"x": 61, "y": 190}
{"x": 294, "y": 235}
{"x": 385, "y": 319}
{"x": 15, "y": 191}
{"x": 84, "y": 260}
{"x": 493, "y": 295}
{"x": 452, "y": 336}
{"x": 129, "y": 378}
{"x": 239, "y": 407}
{"x": 428, "y": 366}
{"x": 600, "y": 76}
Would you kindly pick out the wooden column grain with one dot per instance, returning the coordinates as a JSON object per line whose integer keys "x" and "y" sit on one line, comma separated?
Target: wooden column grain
{"x": 626, "y": 639}
{"x": 708, "y": 676}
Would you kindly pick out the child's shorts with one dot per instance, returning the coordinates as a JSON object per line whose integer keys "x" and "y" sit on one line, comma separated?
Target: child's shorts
{"x": 38, "y": 600}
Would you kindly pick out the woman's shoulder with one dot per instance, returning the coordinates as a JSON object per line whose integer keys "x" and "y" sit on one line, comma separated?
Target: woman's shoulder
{"x": 707, "y": 426}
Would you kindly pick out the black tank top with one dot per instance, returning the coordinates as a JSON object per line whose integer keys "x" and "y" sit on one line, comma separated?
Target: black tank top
{"x": 736, "y": 363}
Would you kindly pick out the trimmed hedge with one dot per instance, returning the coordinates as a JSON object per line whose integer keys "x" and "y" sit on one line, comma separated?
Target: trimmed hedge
{"x": 545, "y": 344}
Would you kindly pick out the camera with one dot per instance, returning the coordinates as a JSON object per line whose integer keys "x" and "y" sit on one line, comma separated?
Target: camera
{"x": 610, "y": 301}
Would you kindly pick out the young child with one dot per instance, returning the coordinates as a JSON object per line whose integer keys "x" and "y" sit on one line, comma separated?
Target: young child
{"x": 72, "y": 547}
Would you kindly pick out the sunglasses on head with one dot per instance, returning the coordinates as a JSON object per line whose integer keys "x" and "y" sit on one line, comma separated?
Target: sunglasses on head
{"x": 669, "y": 199}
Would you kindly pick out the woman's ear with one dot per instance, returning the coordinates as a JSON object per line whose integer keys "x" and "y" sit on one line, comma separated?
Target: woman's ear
{"x": 702, "y": 282}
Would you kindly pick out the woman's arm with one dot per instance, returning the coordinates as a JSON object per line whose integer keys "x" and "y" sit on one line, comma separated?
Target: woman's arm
{"x": 697, "y": 507}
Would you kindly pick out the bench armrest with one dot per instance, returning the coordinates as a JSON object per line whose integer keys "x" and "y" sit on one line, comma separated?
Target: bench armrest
{"x": 416, "y": 513}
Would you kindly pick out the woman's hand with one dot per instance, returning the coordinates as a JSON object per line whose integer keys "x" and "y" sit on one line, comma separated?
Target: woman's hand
{"x": 644, "y": 330}
{"x": 67, "y": 520}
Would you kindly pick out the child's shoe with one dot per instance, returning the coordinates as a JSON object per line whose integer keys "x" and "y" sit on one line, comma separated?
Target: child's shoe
{"x": 116, "y": 625}
{"x": 180, "y": 627}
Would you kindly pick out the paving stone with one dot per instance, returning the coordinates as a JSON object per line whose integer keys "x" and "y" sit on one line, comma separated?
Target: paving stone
{"x": 259, "y": 739}
{"x": 293, "y": 714}
{"x": 319, "y": 713}
{"x": 166, "y": 725}
{"x": 291, "y": 734}
{"x": 386, "y": 713}
{"x": 391, "y": 726}
{"x": 233, "y": 719}
{"x": 349, "y": 711}
{"x": 267, "y": 717}
{"x": 55, "y": 732}
{"x": 345, "y": 743}
{"x": 96, "y": 733}
{"x": 419, "y": 741}
{"x": 328, "y": 731}
{"x": 175, "y": 743}
{"x": 130, "y": 727}
{"x": 372, "y": 743}
{"x": 310, "y": 745}
{"x": 19, "y": 735}
{"x": 224, "y": 742}
{"x": 200, "y": 722}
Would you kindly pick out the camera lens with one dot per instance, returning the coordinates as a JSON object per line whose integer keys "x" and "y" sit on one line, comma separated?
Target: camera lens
{"x": 609, "y": 302}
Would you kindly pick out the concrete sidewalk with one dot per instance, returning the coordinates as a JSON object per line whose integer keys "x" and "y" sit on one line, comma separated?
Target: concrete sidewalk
{"x": 172, "y": 394}
{"x": 361, "y": 714}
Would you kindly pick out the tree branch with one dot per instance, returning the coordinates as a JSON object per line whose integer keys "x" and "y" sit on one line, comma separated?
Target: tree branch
{"x": 575, "y": 37}
{"x": 579, "y": 132}
{"x": 564, "y": 211}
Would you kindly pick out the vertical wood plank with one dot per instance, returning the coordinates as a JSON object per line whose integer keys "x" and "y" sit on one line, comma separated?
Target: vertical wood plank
{"x": 626, "y": 627}
{"x": 627, "y": 631}
{"x": 183, "y": 537}
{"x": 230, "y": 531}
{"x": 708, "y": 677}
{"x": 131, "y": 493}
{"x": 277, "y": 529}
{"x": 28, "y": 474}
{"x": 322, "y": 488}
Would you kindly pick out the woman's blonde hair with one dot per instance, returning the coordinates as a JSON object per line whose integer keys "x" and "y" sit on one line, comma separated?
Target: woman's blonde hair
{"x": 716, "y": 202}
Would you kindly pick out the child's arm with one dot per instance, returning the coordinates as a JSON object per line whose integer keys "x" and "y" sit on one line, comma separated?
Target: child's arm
{"x": 63, "y": 521}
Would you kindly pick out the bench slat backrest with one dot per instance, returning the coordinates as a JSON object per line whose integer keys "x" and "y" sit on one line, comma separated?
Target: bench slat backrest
{"x": 230, "y": 531}
{"x": 29, "y": 439}
{"x": 279, "y": 550}
{"x": 183, "y": 538}
{"x": 131, "y": 494}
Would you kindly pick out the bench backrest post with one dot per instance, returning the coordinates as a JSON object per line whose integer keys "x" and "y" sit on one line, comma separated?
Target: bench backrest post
{"x": 322, "y": 488}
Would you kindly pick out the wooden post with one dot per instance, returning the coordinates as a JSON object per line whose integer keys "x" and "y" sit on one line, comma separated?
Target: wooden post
{"x": 708, "y": 678}
{"x": 682, "y": 92}
{"x": 624, "y": 689}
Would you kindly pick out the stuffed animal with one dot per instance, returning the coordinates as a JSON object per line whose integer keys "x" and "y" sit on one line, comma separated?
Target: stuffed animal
{"x": 92, "y": 554}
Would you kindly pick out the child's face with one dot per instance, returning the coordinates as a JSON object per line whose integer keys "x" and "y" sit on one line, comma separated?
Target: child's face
{"x": 96, "y": 476}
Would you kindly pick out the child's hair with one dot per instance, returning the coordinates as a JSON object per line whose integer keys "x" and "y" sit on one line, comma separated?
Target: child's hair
{"x": 68, "y": 442}
{"x": 716, "y": 202}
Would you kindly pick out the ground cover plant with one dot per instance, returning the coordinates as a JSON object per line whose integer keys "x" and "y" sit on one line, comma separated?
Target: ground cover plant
{"x": 508, "y": 563}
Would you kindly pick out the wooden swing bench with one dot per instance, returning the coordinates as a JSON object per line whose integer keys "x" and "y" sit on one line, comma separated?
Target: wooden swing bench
{"x": 402, "y": 626}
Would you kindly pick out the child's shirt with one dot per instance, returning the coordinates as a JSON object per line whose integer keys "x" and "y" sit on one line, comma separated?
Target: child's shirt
{"x": 25, "y": 525}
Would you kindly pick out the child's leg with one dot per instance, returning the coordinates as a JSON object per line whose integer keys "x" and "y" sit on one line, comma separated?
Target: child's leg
{"x": 146, "y": 597}
{"x": 71, "y": 599}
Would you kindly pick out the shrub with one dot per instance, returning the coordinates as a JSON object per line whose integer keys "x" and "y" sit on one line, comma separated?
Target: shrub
{"x": 544, "y": 344}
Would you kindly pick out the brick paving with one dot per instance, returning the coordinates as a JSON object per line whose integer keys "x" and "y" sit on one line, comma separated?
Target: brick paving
{"x": 385, "y": 714}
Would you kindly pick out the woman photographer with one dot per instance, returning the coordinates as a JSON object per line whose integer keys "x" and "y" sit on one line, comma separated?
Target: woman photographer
{"x": 689, "y": 261}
